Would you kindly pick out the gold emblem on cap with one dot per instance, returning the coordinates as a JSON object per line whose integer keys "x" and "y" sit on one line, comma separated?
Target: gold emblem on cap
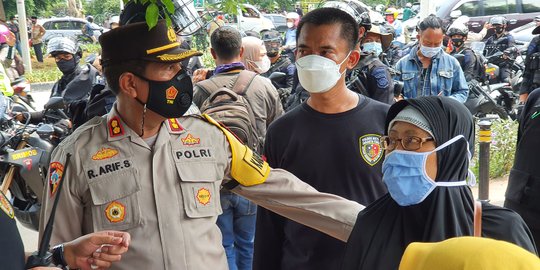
{"x": 171, "y": 34}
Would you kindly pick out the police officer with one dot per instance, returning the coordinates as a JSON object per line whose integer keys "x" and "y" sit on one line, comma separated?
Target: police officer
{"x": 500, "y": 41}
{"x": 376, "y": 80}
{"x": 280, "y": 63}
{"x": 531, "y": 74}
{"x": 144, "y": 169}
{"x": 458, "y": 36}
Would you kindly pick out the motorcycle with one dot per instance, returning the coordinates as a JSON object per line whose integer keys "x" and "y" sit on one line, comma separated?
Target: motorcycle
{"x": 25, "y": 151}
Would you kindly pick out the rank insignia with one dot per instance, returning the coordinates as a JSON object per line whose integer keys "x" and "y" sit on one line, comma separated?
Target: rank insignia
{"x": 171, "y": 34}
{"x": 370, "y": 148}
{"x": 115, "y": 212}
{"x": 105, "y": 153}
{"x": 115, "y": 127}
{"x": 190, "y": 140}
{"x": 174, "y": 126}
{"x": 203, "y": 196}
{"x": 170, "y": 94}
{"x": 6, "y": 206}
{"x": 56, "y": 171}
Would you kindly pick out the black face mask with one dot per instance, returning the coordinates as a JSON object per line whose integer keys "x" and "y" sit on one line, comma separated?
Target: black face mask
{"x": 170, "y": 99}
{"x": 457, "y": 42}
{"x": 499, "y": 30}
{"x": 271, "y": 54}
{"x": 67, "y": 66}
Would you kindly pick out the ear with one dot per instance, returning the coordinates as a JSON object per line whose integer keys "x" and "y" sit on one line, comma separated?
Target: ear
{"x": 128, "y": 83}
{"x": 213, "y": 52}
{"x": 354, "y": 57}
{"x": 241, "y": 52}
{"x": 361, "y": 32}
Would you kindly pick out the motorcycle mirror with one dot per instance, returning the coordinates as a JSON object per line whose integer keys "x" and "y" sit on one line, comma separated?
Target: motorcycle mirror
{"x": 455, "y": 14}
{"x": 55, "y": 103}
{"x": 277, "y": 76}
{"x": 512, "y": 21}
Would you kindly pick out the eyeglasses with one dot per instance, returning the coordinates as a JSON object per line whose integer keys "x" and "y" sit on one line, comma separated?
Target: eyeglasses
{"x": 63, "y": 56}
{"x": 409, "y": 143}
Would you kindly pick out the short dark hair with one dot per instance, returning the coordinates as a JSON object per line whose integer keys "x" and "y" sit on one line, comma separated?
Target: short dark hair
{"x": 226, "y": 42}
{"x": 113, "y": 72}
{"x": 33, "y": 17}
{"x": 432, "y": 22}
{"x": 326, "y": 16}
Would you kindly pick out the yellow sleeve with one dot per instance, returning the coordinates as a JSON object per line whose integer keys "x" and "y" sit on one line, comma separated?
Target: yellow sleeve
{"x": 247, "y": 167}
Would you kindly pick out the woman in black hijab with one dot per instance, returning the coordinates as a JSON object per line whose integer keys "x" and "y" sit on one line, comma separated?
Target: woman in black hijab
{"x": 420, "y": 213}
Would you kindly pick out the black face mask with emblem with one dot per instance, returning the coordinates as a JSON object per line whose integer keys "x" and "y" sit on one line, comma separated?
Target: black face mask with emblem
{"x": 457, "y": 42}
{"x": 170, "y": 99}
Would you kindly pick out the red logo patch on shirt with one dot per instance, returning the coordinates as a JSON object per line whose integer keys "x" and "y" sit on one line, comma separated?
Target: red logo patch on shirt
{"x": 190, "y": 140}
{"x": 56, "y": 171}
{"x": 115, "y": 127}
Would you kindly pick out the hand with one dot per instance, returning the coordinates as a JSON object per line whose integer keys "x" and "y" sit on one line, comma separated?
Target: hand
{"x": 19, "y": 117}
{"x": 199, "y": 75}
{"x": 96, "y": 249}
{"x": 487, "y": 25}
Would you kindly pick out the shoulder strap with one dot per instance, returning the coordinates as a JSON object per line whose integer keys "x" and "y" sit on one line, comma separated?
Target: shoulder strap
{"x": 477, "y": 219}
{"x": 245, "y": 77}
{"x": 209, "y": 86}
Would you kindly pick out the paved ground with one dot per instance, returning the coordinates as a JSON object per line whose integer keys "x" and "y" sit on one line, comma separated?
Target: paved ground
{"x": 30, "y": 238}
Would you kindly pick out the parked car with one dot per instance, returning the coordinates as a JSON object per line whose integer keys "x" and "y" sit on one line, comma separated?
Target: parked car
{"x": 66, "y": 27}
{"x": 524, "y": 33}
{"x": 279, "y": 21}
{"x": 249, "y": 19}
{"x": 517, "y": 12}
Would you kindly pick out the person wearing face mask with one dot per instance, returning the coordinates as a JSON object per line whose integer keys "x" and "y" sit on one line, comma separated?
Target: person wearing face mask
{"x": 472, "y": 66}
{"x": 76, "y": 82}
{"x": 331, "y": 141}
{"x": 280, "y": 63}
{"x": 289, "y": 44}
{"x": 146, "y": 169}
{"x": 499, "y": 42}
{"x": 36, "y": 34}
{"x": 429, "y": 71}
{"x": 371, "y": 71}
{"x": 428, "y": 144}
{"x": 254, "y": 57}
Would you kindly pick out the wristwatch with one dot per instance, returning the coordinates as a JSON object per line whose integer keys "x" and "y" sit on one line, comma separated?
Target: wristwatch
{"x": 58, "y": 256}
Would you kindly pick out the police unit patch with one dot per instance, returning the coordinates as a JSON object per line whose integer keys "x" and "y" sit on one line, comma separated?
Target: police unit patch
{"x": 56, "y": 171}
{"x": 190, "y": 140}
{"x": 170, "y": 94}
{"x": 370, "y": 148}
{"x": 105, "y": 153}
{"x": 115, "y": 212}
{"x": 6, "y": 206}
{"x": 203, "y": 196}
{"x": 115, "y": 127}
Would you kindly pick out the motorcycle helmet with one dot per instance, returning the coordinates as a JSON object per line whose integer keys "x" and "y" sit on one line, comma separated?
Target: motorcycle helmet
{"x": 90, "y": 18}
{"x": 392, "y": 11}
{"x": 355, "y": 9}
{"x": 4, "y": 32}
{"x": 497, "y": 20}
{"x": 185, "y": 19}
{"x": 63, "y": 44}
{"x": 457, "y": 29}
{"x": 272, "y": 41}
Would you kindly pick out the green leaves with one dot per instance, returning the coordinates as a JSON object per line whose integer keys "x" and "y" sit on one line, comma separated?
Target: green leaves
{"x": 152, "y": 14}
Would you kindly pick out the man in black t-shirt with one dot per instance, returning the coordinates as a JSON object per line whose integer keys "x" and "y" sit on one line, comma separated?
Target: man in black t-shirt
{"x": 331, "y": 141}
{"x": 79, "y": 253}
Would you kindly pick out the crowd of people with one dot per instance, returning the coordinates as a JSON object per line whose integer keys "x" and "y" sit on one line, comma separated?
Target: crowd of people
{"x": 348, "y": 170}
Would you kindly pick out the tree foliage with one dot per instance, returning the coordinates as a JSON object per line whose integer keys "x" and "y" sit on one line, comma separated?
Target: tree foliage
{"x": 101, "y": 10}
{"x": 40, "y": 8}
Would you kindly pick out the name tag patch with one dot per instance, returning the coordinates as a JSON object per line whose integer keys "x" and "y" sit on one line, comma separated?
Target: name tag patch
{"x": 194, "y": 153}
{"x": 108, "y": 168}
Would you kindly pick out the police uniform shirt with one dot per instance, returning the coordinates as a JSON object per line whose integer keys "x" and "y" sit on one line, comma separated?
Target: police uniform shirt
{"x": 167, "y": 197}
{"x": 12, "y": 251}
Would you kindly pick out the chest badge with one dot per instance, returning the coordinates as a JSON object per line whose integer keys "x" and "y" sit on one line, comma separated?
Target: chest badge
{"x": 6, "y": 206}
{"x": 115, "y": 212}
{"x": 190, "y": 140}
{"x": 370, "y": 148}
{"x": 203, "y": 196}
{"x": 105, "y": 153}
{"x": 56, "y": 171}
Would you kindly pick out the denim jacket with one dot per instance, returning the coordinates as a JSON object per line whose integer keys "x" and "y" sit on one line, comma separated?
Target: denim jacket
{"x": 446, "y": 76}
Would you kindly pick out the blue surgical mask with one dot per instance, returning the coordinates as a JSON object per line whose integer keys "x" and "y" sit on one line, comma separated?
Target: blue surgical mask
{"x": 404, "y": 173}
{"x": 372, "y": 47}
{"x": 429, "y": 52}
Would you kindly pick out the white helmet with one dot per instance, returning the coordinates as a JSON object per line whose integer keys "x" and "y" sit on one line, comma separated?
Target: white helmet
{"x": 293, "y": 15}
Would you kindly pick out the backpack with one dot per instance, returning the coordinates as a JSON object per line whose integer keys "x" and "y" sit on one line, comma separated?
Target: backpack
{"x": 229, "y": 107}
{"x": 479, "y": 66}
